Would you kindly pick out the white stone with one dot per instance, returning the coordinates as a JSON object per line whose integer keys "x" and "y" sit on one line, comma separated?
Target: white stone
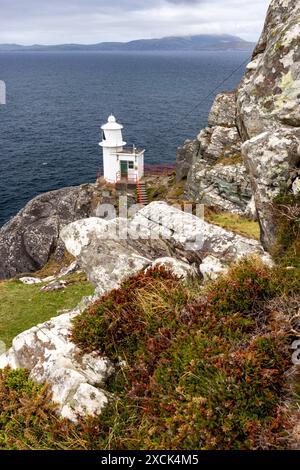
{"x": 251, "y": 209}
{"x": 87, "y": 400}
{"x": 77, "y": 234}
{"x": 30, "y": 280}
{"x": 47, "y": 351}
{"x": 211, "y": 267}
{"x": 296, "y": 186}
{"x": 194, "y": 234}
{"x": 178, "y": 268}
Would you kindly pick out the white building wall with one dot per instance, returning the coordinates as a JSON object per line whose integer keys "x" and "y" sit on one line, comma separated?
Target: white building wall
{"x": 140, "y": 166}
{"x": 110, "y": 164}
{"x": 113, "y": 138}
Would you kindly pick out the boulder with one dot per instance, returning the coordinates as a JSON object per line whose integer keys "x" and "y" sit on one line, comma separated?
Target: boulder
{"x": 217, "y": 175}
{"x": 75, "y": 379}
{"x": 102, "y": 251}
{"x": 268, "y": 112}
{"x": 54, "y": 286}
{"x": 32, "y": 236}
{"x": 184, "y": 158}
{"x": 178, "y": 268}
{"x": 269, "y": 158}
{"x": 110, "y": 251}
{"x": 190, "y": 238}
{"x": 211, "y": 267}
{"x": 223, "y": 110}
{"x": 27, "y": 280}
{"x": 78, "y": 234}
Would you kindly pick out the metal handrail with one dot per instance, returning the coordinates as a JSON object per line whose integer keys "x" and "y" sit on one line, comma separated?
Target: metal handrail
{"x": 139, "y": 191}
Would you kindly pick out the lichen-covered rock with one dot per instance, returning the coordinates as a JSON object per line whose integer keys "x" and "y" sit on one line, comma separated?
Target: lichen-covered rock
{"x": 108, "y": 262}
{"x": 110, "y": 251}
{"x": 217, "y": 175}
{"x": 211, "y": 267}
{"x": 268, "y": 96}
{"x": 269, "y": 158}
{"x": 224, "y": 142}
{"x": 184, "y": 158}
{"x": 75, "y": 379}
{"x": 268, "y": 117}
{"x": 224, "y": 186}
{"x": 78, "y": 234}
{"x": 178, "y": 268}
{"x": 296, "y": 186}
{"x": 191, "y": 238}
{"x": 265, "y": 112}
{"x": 102, "y": 251}
{"x": 28, "y": 240}
{"x": 223, "y": 110}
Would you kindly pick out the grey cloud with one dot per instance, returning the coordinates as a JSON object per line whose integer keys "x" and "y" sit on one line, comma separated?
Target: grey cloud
{"x": 88, "y": 21}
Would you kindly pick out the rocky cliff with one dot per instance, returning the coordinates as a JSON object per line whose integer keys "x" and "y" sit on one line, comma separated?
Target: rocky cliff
{"x": 29, "y": 239}
{"x": 252, "y": 143}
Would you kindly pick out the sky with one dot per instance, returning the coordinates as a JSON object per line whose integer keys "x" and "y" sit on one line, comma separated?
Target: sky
{"x": 92, "y": 21}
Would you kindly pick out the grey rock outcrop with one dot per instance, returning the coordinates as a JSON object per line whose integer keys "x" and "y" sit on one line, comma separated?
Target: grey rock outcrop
{"x": 190, "y": 238}
{"x": 102, "y": 252}
{"x": 224, "y": 186}
{"x": 265, "y": 115}
{"x": 223, "y": 111}
{"x": 268, "y": 111}
{"x": 217, "y": 175}
{"x": 76, "y": 380}
{"x": 109, "y": 251}
{"x": 184, "y": 158}
{"x": 32, "y": 236}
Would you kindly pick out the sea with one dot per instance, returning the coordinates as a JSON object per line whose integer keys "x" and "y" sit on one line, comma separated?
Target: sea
{"x": 57, "y": 101}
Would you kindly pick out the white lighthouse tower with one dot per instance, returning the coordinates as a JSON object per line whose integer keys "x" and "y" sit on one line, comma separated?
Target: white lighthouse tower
{"x": 119, "y": 163}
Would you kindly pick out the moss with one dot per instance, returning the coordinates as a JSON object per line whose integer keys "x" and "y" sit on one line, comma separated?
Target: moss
{"x": 54, "y": 266}
{"x": 157, "y": 193}
{"x": 177, "y": 190}
{"x": 232, "y": 160}
{"x": 286, "y": 249}
{"x": 234, "y": 222}
{"x": 18, "y": 381}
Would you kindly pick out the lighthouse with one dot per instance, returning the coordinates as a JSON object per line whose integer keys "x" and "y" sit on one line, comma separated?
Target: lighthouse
{"x": 120, "y": 163}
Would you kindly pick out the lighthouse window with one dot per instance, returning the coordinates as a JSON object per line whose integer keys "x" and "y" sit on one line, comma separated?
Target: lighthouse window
{"x": 104, "y": 138}
{"x": 130, "y": 165}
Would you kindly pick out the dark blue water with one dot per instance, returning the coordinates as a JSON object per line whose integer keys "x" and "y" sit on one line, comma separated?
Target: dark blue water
{"x": 56, "y": 102}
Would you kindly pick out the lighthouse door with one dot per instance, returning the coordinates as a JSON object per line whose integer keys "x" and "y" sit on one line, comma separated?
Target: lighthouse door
{"x": 124, "y": 168}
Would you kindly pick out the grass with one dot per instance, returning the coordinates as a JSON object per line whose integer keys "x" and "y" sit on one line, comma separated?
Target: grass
{"x": 53, "y": 266}
{"x": 177, "y": 190}
{"x": 24, "y": 306}
{"x": 286, "y": 249}
{"x": 165, "y": 188}
{"x": 234, "y": 222}
{"x": 232, "y": 160}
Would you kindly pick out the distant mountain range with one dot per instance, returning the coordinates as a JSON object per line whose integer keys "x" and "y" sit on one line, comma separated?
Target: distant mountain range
{"x": 201, "y": 42}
